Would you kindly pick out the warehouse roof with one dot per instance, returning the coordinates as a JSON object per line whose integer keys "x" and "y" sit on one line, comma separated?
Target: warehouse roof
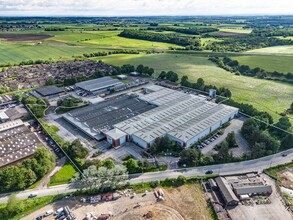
{"x": 115, "y": 133}
{"x": 49, "y": 90}
{"x": 102, "y": 116}
{"x": 98, "y": 84}
{"x": 226, "y": 190}
{"x": 16, "y": 142}
{"x": 160, "y": 95}
{"x": 183, "y": 119}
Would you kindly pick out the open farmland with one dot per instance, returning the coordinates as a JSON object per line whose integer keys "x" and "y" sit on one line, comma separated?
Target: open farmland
{"x": 65, "y": 44}
{"x": 281, "y": 64}
{"x": 287, "y": 50}
{"x": 265, "y": 95}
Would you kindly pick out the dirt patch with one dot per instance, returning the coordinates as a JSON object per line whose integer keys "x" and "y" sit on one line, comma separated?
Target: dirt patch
{"x": 182, "y": 203}
{"x": 24, "y": 37}
{"x": 228, "y": 34}
{"x": 286, "y": 177}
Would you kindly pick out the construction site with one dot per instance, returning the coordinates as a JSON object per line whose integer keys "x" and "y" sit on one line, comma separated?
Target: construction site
{"x": 182, "y": 203}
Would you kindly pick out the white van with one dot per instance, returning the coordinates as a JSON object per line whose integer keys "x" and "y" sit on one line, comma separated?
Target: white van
{"x": 49, "y": 212}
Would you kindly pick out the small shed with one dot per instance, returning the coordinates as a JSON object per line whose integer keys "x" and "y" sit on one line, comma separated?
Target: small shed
{"x": 135, "y": 74}
{"x": 122, "y": 77}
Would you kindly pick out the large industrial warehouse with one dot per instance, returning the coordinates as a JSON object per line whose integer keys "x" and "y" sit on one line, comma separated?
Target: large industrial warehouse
{"x": 100, "y": 85}
{"x": 97, "y": 119}
{"x": 184, "y": 118}
{"x": 159, "y": 112}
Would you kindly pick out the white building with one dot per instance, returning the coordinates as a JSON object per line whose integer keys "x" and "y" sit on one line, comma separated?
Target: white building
{"x": 181, "y": 117}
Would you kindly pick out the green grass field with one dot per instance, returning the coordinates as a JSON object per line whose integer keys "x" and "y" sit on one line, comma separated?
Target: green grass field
{"x": 273, "y": 97}
{"x": 63, "y": 176}
{"x": 288, "y": 50}
{"x": 281, "y": 64}
{"x": 65, "y": 44}
{"x": 236, "y": 30}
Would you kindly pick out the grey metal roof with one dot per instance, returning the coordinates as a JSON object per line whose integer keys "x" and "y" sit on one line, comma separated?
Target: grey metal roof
{"x": 98, "y": 84}
{"x": 182, "y": 118}
{"x": 102, "y": 116}
{"x": 49, "y": 90}
{"x": 226, "y": 190}
{"x": 16, "y": 142}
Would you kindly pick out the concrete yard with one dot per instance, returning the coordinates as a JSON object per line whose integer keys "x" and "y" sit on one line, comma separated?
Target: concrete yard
{"x": 274, "y": 211}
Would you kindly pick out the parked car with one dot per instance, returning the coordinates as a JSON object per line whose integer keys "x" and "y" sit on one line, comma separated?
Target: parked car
{"x": 39, "y": 218}
{"x": 49, "y": 212}
{"x": 209, "y": 172}
{"x": 32, "y": 195}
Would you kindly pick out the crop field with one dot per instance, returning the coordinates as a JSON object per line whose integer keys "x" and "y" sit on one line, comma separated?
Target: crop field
{"x": 288, "y": 50}
{"x": 236, "y": 30}
{"x": 270, "y": 96}
{"x": 281, "y": 64}
{"x": 66, "y": 44}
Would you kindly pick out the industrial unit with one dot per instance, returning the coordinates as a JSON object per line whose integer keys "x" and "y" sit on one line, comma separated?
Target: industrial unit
{"x": 100, "y": 85}
{"x": 17, "y": 142}
{"x": 250, "y": 184}
{"x": 48, "y": 92}
{"x": 181, "y": 117}
{"x": 226, "y": 192}
{"x": 95, "y": 120}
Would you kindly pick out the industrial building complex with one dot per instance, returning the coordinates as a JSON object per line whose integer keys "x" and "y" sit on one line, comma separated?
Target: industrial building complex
{"x": 234, "y": 189}
{"x": 158, "y": 112}
{"x": 17, "y": 142}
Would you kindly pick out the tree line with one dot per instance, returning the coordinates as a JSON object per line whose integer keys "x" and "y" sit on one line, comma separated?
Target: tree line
{"x": 166, "y": 38}
{"x": 27, "y": 172}
{"x": 104, "y": 53}
{"x": 233, "y": 66}
{"x": 193, "y": 31}
{"x": 200, "y": 85}
{"x": 245, "y": 43}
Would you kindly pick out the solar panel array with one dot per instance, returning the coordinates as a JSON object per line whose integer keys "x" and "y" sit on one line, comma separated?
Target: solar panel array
{"x": 17, "y": 143}
{"x": 102, "y": 116}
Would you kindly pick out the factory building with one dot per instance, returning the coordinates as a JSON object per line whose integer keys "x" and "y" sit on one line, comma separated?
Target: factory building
{"x": 95, "y": 120}
{"x": 48, "y": 92}
{"x": 250, "y": 184}
{"x": 100, "y": 85}
{"x": 181, "y": 117}
{"x": 17, "y": 142}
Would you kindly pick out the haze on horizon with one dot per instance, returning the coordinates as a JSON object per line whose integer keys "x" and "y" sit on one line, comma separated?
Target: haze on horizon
{"x": 144, "y": 7}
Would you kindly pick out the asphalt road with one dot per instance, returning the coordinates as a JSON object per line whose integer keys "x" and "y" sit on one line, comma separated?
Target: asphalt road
{"x": 257, "y": 165}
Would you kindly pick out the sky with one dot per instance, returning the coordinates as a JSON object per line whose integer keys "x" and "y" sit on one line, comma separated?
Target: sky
{"x": 144, "y": 7}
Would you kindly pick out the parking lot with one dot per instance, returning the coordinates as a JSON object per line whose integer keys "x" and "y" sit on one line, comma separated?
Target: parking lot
{"x": 235, "y": 126}
{"x": 119, "y": 154}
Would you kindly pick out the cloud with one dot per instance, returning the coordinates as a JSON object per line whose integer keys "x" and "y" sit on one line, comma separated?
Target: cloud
{"x": 143, "y": 7}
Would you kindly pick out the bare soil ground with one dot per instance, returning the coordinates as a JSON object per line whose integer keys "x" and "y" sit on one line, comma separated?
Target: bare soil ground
{"x": 182, "y": 203}
{"x": 286, "y": 177}
{"x": 24, "y": 37}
